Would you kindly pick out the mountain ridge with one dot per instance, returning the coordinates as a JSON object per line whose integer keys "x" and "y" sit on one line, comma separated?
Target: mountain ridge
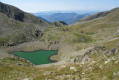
{"x": 20, "y": 15}
{"x": 69, "y": 18}
{"x": 17, "y": 26}
{"x": 100, "y": 14}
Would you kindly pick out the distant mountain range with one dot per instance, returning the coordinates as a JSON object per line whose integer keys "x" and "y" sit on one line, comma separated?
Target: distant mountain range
{"x": 69, "y": 18}
{"x": 71, "y": 11}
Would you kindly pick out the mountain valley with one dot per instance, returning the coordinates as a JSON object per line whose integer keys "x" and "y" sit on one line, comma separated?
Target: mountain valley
{"x": 69, "y": 18}
{"x": 87, "y": 49}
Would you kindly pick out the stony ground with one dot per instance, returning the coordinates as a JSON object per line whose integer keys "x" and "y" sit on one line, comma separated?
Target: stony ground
{"x": 99, "y": 63}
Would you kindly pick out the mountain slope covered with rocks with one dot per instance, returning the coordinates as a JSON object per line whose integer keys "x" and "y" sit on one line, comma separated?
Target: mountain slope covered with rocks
{"x": 17, "y": 26}
{"x": 87, "y": 50}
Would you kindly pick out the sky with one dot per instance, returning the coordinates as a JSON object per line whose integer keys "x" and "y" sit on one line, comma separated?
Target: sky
{"x": 34, "y": 6}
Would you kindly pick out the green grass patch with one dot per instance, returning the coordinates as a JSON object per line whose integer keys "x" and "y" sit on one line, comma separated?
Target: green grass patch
{"x": 83, "y": 38}
{"x": 111, "y": 44}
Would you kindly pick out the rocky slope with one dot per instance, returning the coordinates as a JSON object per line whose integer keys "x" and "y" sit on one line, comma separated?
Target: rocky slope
{"x": 19, "y": 15}
{"x": 99, "y": 15}
{"x": 17, "y": 27}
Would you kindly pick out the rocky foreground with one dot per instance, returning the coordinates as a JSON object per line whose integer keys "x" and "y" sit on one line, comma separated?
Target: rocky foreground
{"x": 99, "y": 63}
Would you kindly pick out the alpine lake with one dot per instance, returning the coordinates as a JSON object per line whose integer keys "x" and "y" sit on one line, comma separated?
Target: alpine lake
{"x": 37, "y": 57}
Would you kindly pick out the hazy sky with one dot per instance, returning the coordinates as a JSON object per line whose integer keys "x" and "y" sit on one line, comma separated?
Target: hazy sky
{"x": 48, "y": 5}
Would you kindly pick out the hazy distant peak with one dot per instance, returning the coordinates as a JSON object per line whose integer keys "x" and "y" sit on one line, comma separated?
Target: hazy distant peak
{"x": 100, "y": 14}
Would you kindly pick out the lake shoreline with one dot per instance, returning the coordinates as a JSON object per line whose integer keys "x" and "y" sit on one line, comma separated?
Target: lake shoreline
{"x": 49, "y": 58}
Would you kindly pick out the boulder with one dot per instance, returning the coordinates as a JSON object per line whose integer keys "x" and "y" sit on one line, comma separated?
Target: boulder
{"x": 107, "y": 61}
{"x": 107, "y": 53}
{"x": 88, "y": 52}
{"x": 73, "y": 69}
{"x": 47, "y": 73}
{"x": 78, "y": 58}
{"x": 99, "y": 47}
{"x": 113, "y": 50}
{"x": 86, "y": 58}
{"x": 26, "y": 79}
{"x": 96, "y": 48}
